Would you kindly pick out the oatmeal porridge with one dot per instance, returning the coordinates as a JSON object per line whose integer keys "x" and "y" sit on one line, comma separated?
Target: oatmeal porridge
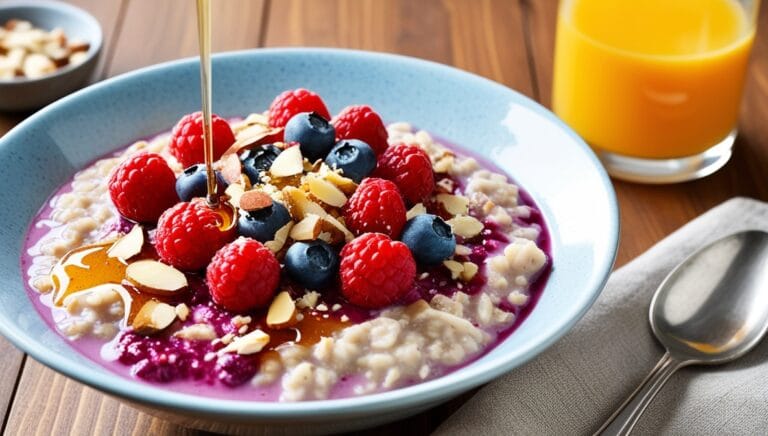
{"x": 345, "y": 258}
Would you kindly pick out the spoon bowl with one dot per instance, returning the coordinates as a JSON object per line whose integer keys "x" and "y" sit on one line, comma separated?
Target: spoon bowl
{"x": 712, "y": 308}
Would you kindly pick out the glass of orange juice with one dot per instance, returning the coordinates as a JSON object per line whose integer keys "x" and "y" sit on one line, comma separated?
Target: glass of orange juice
{"x": 654, "y": 86}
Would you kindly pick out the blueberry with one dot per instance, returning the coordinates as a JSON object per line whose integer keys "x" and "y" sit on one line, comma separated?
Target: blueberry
{"x": 193, "y": 183}
{"x": 258, "y": 160}
{"x": 262, "y": 224}
{"x": 314, "y": 134}
{"x": 355, "y": 158}
{"x": 429, "y": 238}
{"x": 311, "y": 264}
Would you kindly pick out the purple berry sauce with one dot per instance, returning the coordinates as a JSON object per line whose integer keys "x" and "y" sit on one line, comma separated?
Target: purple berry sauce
{"x": 194, "y": 366}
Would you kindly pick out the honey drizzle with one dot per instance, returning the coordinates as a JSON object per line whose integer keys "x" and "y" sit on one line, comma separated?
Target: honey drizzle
{"x": 206, "y": 91}
{"x": 90, "y": 266}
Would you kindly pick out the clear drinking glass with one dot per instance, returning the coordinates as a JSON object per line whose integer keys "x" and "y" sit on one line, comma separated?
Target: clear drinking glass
{"x": 654, "y": 86}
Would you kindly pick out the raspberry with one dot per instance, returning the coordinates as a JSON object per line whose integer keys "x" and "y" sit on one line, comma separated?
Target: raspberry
{"x": 411, "y": 170}
{"x": 290, "y": 103}
{"x": 243, "y": 275}
{"x": 376, "y": 271}
{"x": 376, "y": 206}
{"x": 187, "y": 142}
{"x": 142, "y": 187}
{"x": 189, "y": 234}
{"x": 361, "y": 122}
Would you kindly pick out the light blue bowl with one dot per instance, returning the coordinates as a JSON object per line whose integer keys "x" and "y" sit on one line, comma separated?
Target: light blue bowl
{"x": 523, "y": 138}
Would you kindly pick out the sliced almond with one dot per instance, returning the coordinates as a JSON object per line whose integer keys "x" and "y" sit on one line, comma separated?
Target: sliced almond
{"x": 281, "y": 236}
{"x": 417, "y": 209}
{"x": 251, "y": 343}
{"x": 235, "y": 191}
{"x": 346, "y": 185}
{"x": 307, "y": 229}
{"x": 326, "y": 192}
{"x": 182, "y": 311}
{"x": 153, "y": 317}
{"x": 338, "y": 231}
{"x": 129, "y": 245}
{"x": 462, "y": 250}
{"x": 254, "y": 200}
{"x": 469, "y": 272}
{"x": 465, "y": 226}
{"x": 288, "y": 163}
{"x": 282, "y": 311}
{"x": 454, "y": 204}
{"x": 155, "y": 277}
{"x": 299, "y": 205}
{"x": 230, "y": 168}
{"x": 456, "y": 268}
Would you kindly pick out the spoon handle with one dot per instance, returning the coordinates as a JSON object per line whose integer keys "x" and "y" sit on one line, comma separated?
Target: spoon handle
{"x": 624, "y": 419}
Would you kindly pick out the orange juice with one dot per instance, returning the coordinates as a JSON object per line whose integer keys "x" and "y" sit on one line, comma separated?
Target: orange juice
{"x": 651, "y": 78}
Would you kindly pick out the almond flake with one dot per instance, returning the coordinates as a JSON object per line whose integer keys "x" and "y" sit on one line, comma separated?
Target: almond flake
{"x": 153, "y": 317}
{"x": 288, "y": 163}
{"x": 307, "y": 229}
{"x": 281, "y": 236}
{"x": 235, "y": 191}
{"x": 155, "y": 277}
{"x": 454, "y": 204}
{"x": 231, "y": 168}
{"x": 251, "y": 343}
{"x": 197, "y": 332}
{"x": 456, "y": 268}
{"x": 417, "y": 209}
{"x": 326, "y": 192}
{"x": 338, "y": 232}
{"x": 254, "y": 200}
{"x": 462, "y": 250}
{"x": 470, "y": 269}
{"x": 299, "y": 205}
{"x": 282, "y": 311}
{"x": 443, "y": 165}
{"x": 346, "y": 184}
{"x": 182, "y": 311}
{"x": 465, "y": 226}
{"x": 129, "y": 245}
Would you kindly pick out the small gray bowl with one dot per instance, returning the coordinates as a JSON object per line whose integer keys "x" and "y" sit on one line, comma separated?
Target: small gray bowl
{"x": 22, "y": 94}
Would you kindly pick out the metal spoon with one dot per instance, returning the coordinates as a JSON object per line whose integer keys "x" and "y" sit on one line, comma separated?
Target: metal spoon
{"x": 712, "y": 308}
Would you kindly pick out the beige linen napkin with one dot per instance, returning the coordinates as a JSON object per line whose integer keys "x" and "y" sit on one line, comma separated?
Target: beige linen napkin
{"x": 576, "y": 384}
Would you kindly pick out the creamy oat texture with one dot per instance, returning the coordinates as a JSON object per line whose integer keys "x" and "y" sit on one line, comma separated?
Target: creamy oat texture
{"x": 402, "y": 345}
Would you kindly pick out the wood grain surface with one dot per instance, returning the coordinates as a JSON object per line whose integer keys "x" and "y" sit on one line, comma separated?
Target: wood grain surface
{"x": 510, "y": 41}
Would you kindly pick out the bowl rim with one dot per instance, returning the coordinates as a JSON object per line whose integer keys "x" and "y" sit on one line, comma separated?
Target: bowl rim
{"x": 82, "y": 15}
{"x": 429, "y": 392}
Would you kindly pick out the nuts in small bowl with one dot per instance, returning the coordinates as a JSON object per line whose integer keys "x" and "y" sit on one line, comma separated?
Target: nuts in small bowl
{"x": 47, "y": 50}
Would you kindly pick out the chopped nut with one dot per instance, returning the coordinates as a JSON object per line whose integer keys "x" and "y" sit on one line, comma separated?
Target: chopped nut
{"x": 470, "y": 269}
{"x": 299, "y": 205}
{"x": 462, "y": 250}
{"x": 346, "y": 185}
{"x": 129, "y": 245}
{"x": 282, "y": 311}
{"x": 344, "y": 318}
{"x": 456, "y": 268}
{"x": 307, "y": 229}
{"x": 288, "y": 163}
{"x": 235, "y": 191}
{"x": 155, "y": 277}
{"x": 454, "y": 204}
{"x": 197, "y": 332}
{"x": 182, "y": 311}
{"x": 417, "y": 209}
{"x": 281, "y": 236}
{"x": 240, "y": 320}
{"x": 322, "y": 307}
{"x": 231, "y": 168}
{"x": 336, "y": 307}
{"x": 38, "y": 65}
{"x": 326, "y": 192}
{"x": 308, "y": 300}
{"x": 251, "y": 343}
{"x": 254, "y": 200}
{"x": 153, "y": 317}
{"x": 443, "y": 165}
{"x": 465, "y": 226}
{"x": 337, "y": 231}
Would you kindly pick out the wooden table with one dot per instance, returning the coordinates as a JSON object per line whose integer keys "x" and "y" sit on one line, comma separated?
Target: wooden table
{"x": 510, "y": 41}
